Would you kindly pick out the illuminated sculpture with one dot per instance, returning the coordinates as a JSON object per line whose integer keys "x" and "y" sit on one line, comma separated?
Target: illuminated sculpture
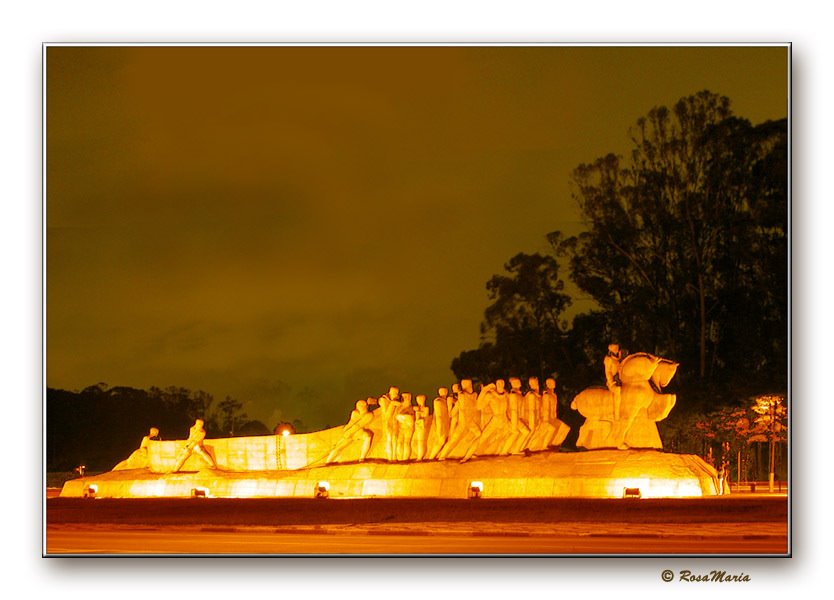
{"x": 355, "y": 430}
{"x": 493, "y": 397}
{"x": 405, "y": 428}
{"x": 389, "y": 405}
{"x": 194, "y": 445}
{"x": 385, "y": 440}
{"x": 466, "y": 417}
{"x": 441, "y": 422}
{"x": 421, "y": 417}
{"x": 518, "y": 430}
{"x": 632, "y": 424}
{"x": 139, "y": 458}
{"x": 552, "y": 431}
{"x": 611, "y": 363}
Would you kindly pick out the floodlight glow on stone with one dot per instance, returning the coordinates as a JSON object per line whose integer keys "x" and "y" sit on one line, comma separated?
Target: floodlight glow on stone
{"x": 498, "y": 437}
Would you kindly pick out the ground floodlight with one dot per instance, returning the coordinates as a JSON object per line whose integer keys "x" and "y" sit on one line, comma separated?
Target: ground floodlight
{"x": 199, "y": 492}
{"x": 476, "y": 488}
{"x": 632, "y": 493}
{"x": 322, "y": 490}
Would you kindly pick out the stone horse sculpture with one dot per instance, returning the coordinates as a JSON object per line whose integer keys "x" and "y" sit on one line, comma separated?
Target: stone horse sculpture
{"x": 642, "y": 405}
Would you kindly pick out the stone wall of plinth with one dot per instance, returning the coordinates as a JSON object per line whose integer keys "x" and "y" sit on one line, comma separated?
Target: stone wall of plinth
{"x": 592, "y": 474}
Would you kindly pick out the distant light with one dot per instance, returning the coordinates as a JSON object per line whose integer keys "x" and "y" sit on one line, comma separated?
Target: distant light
{"x": 284, "y": 429}
{"x": 322, "y": 490}
{"x": 476, "y": 488}
{"x": 632, "y": 493}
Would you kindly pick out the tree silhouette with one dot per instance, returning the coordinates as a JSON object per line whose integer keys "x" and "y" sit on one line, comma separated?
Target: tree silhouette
{"x": 523, "y": 326}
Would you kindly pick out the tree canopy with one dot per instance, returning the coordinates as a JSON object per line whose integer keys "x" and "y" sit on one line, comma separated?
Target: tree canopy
{"x": 684, "y": 253}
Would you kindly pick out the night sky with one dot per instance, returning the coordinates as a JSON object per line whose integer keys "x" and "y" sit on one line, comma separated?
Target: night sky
{"x": 300, "y": 227}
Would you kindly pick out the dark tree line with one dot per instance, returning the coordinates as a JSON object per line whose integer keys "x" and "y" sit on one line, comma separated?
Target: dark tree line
{"x": 100, "y": 426}
{"x": 684, "y": 254}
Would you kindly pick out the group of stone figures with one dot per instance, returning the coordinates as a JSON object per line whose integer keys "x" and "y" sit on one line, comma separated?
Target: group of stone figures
{"x": 497, "y": 421}
{"x": 493, "y": 421}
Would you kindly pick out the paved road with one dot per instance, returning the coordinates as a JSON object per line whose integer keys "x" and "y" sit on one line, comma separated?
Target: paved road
{"x": 737, "y": 526}
{"x": 137, "y": 541}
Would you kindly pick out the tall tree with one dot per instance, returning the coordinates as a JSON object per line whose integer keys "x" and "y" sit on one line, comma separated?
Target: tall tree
{"x": 687, "y": 237}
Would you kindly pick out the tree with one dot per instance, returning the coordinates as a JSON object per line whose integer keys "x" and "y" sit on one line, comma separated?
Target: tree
{"x": 230, "y": 416}
{"x": 685, "y": 249}
{"x": 522, "y": 329}
{"x": 770, "y": 426}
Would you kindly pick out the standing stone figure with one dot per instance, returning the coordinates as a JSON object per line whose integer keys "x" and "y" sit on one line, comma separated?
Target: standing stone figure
{"x": 440, "y": 422}
{"x": 611, "y": 362}
{"x": 518, "y": 430}
{"x": 453, "y": 402}
{"x": 556, "y": 430}
{"x": 421, "y": 434}
{"x": 194, "y": 444}
{"x": 468, "y": 418}
{"x": 494, "y": 397}
{"x": 532, "y": 414}
{"x": 355, "y": 430}
{"x": 389, "y": 404}
{"x": 405, "y": 428}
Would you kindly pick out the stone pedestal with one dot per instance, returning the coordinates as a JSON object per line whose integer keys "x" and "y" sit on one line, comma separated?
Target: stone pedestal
{"x": 590, "y": 474}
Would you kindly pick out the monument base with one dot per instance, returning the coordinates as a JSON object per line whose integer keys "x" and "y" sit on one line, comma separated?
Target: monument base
{"x": 585, "y": 474}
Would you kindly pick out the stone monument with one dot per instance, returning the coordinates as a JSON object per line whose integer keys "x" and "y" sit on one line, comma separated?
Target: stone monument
{"x": 505, "y": 438}
{"x": 627, "y": 416}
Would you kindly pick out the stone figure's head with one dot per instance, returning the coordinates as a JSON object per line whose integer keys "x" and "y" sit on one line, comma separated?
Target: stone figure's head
{"x": 515, "y": 383}
{"x": 466, "y": 385}
{"x": 456, "y": 388}
{"x": 550, "y": 383}
{"x": 614, "y": 349}
{"x": 199, "y": 423}
{"x": 533, "y": 382}
{"x": 442, "y": 392}
{"x": 421, "y": 399}
{"x": 154, "y": 432}
{"x": 500, "y": 385}
{"x": 362, "y": 406}
{"x": 393, "y": 392}
{"x": 407, "y": 398}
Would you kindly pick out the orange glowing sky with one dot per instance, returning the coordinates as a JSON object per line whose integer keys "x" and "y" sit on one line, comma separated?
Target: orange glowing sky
{"x": 299, "y": 227}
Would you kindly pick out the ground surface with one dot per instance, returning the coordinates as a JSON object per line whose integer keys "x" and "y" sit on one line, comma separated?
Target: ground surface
{"x": 735, "y": 525}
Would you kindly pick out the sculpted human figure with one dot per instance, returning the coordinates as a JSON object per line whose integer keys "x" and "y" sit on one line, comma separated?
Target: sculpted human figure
{"x": 611, "y": 362}
{"x": 494, "y": 398}
{"x": 518, "y": 430}
{"x": 550, "y": 401}
{"x": 194, "y": 444}
{"x": 440, "y": 422}
{"x": 139, "y": 458}
{"x": 532, "y": 413}
{"x": 468, "y": 418}
{"x": 453, "y": 402}
{"x": 421, "y": 433}
{"x": 630, "y": 422}
{"x": 389, "y": 404}
{"x": 405, "y": 428}
{"x": 356, "y": 429}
